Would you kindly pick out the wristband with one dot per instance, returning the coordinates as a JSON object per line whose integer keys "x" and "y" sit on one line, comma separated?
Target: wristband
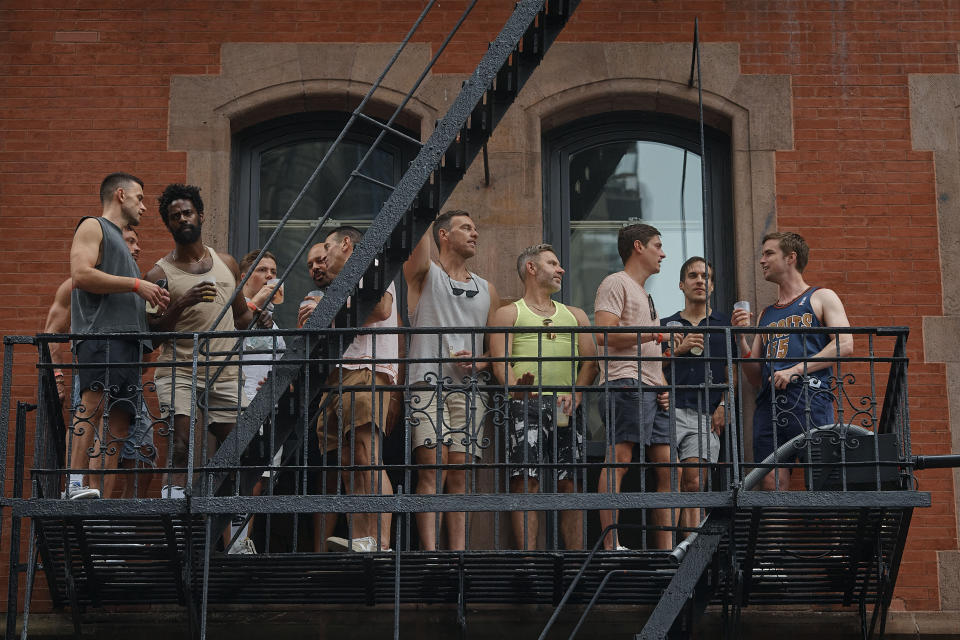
{"x": 58, "y": 373}
{"x": 747, "y": 354}
{"x": 659, "y": 338}
{"x": 136, "y": 284}
{"x": 252, "y": 307}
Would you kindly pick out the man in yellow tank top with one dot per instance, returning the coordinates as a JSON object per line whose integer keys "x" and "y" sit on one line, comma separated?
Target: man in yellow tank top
{"x": 545, "y": 423}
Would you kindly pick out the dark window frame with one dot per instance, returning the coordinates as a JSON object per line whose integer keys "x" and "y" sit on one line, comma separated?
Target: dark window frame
{"x": 622, "y": 126}
{"x": 250, "y": 143}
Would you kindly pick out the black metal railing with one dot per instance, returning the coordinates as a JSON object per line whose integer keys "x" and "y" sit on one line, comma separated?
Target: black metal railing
{"x": 514, "y": 459}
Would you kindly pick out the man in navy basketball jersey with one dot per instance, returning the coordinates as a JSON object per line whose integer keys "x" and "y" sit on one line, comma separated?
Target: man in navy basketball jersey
{"x": 790, "y": 384}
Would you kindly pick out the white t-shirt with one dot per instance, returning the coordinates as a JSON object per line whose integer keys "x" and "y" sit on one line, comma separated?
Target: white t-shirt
{"x": 387, "y": 344}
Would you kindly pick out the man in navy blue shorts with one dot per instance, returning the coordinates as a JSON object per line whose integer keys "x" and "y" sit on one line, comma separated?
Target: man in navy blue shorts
{"x": 795, "y": 392}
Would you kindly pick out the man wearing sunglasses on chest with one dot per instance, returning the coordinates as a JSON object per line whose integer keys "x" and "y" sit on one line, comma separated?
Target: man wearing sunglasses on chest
{"x": 546, "y": 423}
{"x": 446, "y": 418}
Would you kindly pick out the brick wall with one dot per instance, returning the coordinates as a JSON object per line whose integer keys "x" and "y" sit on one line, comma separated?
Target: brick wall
{"x": 84, "y": 92}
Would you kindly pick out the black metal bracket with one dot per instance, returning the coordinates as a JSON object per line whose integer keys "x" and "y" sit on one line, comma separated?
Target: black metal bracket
{"x": 689, "y": 574}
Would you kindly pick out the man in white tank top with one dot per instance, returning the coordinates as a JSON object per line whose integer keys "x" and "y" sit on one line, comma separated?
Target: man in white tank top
{"x": 200, "y": 282}
{"x": 446, "y": 419}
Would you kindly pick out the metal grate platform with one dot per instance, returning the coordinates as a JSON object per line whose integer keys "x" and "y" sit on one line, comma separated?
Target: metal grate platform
{"x": 832, "y": 556}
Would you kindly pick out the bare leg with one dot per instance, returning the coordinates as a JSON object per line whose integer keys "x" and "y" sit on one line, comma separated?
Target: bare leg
{"x": 690, "y": 482}
{"x": 571, "y": 521}
{"x": 660, "y": 453}
{"x": 325, "y": 523}
{"x": 363, "y": 451}
{"x": 113, "y": 436}
{"x": 526, "y": 524}
{"x": 456, "y": 520}
{"x": 133, "y": 484}
{"x": 220, "y": 430}
{"x": 181, "y": 444}
{"x": 428, "y": 482}
{"x": 610, "y": 480}
{"x": 86, "y": 422}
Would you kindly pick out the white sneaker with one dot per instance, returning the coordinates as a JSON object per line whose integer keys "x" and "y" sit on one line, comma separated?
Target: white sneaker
{"x": 360, "y": 545}
{"x": 243, "y": 547}
{"x": 172, "y": 491}
{"x": 77, "y": 491}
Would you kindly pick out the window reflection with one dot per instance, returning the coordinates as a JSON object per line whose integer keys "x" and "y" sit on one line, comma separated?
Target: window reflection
{"x": 624, "y": 182}
{"x": 277, "y": 158}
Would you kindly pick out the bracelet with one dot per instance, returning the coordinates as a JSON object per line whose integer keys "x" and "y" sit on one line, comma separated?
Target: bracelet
{"x": 659, "y": 338}
{"x": 58, "y": 373}
{"x": 747, "y": 354}
{"x": 667, "y": 353}
{"x": 252, "y": 306}
{"x": 136, "y": 284}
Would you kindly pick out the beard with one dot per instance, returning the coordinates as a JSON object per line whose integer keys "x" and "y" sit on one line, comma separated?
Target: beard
{"x": 187, "y": 234}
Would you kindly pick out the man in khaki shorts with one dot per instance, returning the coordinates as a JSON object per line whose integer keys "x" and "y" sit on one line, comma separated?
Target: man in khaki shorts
{"x": 200, "y": 281}
{"x": 350, "y": 431}
{"x": 448, "y": 429}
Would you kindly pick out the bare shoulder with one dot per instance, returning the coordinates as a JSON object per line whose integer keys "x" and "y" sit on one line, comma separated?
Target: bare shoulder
{"x": 825, "y": 296}
{"x": 89, "y": 230}
{"x": 230, "y": 261}
{"x": 505, "y": 316}
{"x": 494, "y": 295}
{"x": 580, "y": 315}
{"x": 155, "y": 274}
{"x": 829, "y": 308}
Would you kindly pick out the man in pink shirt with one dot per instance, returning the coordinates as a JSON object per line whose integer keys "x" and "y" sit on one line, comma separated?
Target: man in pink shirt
{"x": 626, "y": 407}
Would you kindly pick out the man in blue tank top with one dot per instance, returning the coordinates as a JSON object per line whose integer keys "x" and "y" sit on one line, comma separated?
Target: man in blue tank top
{"x": 795, "y": 390}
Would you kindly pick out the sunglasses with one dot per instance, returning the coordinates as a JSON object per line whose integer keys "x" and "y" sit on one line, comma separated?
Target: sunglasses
{"x": 653, "y": 309}
{"x": 457, "y": 291}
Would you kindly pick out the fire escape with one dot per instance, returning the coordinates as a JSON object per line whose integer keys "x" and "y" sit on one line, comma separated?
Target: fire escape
{"x": 819, "y": 547}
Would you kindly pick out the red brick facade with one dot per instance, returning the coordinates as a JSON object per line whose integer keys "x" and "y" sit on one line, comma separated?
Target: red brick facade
{"x": 84, "y": 92}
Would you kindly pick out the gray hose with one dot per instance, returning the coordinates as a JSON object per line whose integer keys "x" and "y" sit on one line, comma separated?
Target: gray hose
{"x": 755, "y": 476}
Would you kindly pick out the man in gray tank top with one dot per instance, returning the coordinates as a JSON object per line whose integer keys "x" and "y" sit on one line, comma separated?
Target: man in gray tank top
{"x": 108, "y": 297}
{"x": 446, "y": 419}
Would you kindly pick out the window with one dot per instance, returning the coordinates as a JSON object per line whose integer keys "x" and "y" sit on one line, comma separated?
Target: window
{"x": 272, "y": 163}
{"x": 607, "y": 171}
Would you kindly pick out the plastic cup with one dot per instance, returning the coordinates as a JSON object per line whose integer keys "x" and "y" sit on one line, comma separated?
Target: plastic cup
{"x": 214, "y": 283}
{"x": 278, "y": 296}
{"x": 742, "y": 304}
{"x": 673, "y": 337}
{"x": 562, "y": 419}
{"x": 312, "y": 297}
{"x": 457, "y": 343}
